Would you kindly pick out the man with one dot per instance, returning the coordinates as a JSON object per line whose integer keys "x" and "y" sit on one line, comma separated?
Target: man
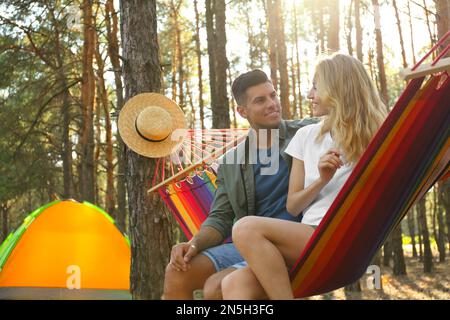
{"x": 242, "y": 189}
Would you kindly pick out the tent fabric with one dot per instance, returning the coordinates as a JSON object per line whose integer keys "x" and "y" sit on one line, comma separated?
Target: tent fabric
{"x": 63, "y": 241}
{"x": 405, "y": 158}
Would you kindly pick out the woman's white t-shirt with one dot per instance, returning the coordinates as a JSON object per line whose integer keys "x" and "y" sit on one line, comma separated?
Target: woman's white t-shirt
{"x": 304, "y": 146}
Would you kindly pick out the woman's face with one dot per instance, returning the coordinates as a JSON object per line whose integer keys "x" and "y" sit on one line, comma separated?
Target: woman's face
{"x": 319, "y": 108}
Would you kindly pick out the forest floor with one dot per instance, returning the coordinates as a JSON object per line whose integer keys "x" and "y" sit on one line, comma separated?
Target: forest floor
{"x": 415, "y": 285}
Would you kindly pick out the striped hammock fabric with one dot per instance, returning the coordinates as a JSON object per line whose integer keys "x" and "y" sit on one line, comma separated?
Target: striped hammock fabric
{"x": 190, "y": 200}
{"x": 409, "y": 153}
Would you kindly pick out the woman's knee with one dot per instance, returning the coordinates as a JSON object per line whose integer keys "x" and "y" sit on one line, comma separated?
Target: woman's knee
{"x": 212, "y": 288}
{"x": 244, "y": 230}
{"x": 241, "y": 284}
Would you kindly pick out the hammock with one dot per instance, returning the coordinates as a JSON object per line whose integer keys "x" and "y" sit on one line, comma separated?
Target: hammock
{"x": 409, "y": 153}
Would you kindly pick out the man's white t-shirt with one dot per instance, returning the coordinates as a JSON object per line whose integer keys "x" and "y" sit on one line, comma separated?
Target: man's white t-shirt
{"x": 304, "y": 146}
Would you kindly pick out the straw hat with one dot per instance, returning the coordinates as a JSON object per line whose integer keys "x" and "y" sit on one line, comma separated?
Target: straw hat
{"x": 146, "y": 124}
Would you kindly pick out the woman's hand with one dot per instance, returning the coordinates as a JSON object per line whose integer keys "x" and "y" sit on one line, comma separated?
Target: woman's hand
{"x": 328, "y": 164}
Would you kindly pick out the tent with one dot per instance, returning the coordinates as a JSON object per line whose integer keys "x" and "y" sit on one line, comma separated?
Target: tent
{"x": 65, "y": 250}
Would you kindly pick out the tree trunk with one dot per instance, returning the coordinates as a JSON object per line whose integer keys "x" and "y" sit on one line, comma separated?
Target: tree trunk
{"x": 233, "y": 105}
{"x": 428, "y": 23}
{"x": 399, "y": 26}
{"x": 348, "y": 34}
{"x": 5, "y": 210}
{"x": 110, "y": 199}
{"x": 397, "y": 248}
{"x": 353, "y": 287}
{"x": 412, "y": 231}
{"x": 112, "y": 27}
{"x": 387, "y": 252}
{"x": 321, "y": 26}
{"x": 293, "y": 83}
{"x": 221, "y": 111}
{"x": 333, "y": 30}
{"x": 66, "y": 152}
{"x": 419, "y": 229}
{"x": 427, "y": 254}
{"x": 149, "y": 227}
{"x": 358, "y": 30}
{"x": 178, "y": 53}
{"x": 191, "y": 104}
{"x": 272, "y": 36}
{"x": 442, "y": 19}
{"x": 87, "y": 177}
{"x": 380, "y": 55}
{"x": 98, "y": 148}
{"x": 211, "y": 39}
{"x": 444, "y": 198}
{"x": 411, "y": 33}
{"x": 440, "y": 219}
{"x": 282, "y": 62}
{"x": 199, "y": 66}
{"x": 297, "y": 61}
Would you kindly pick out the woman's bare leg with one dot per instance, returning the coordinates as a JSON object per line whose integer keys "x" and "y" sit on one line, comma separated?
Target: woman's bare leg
{"x": 271, "y": 246}
{"x": 242, "y": 285}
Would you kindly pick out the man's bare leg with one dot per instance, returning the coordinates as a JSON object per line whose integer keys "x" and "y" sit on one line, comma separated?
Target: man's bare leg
{"x": 180, "y": 285}
{"x": 213, "y": 288}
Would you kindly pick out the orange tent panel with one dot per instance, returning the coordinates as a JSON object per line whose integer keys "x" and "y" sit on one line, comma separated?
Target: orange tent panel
{"x": 69, "y": 243}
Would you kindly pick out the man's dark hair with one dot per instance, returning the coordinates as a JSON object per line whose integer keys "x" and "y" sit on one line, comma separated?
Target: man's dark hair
{"x": 245, "y": 81}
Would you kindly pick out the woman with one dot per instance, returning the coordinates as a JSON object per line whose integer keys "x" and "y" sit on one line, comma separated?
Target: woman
{"x": 324, "y": 155}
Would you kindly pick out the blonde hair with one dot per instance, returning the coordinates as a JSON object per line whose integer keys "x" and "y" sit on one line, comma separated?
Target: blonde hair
{"x": 356, "y": 110}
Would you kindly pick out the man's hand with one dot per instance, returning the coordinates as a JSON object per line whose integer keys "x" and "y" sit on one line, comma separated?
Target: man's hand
{"x": 181, "y": 254}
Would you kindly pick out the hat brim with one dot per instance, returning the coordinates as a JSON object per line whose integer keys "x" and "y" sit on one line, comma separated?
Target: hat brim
{"x": 127, "y": 128}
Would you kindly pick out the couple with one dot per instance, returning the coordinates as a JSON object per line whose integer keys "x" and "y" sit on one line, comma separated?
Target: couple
{"x": 272, "y": 217}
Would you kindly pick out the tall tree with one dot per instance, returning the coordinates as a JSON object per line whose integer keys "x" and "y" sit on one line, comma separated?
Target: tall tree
{"x": 297, "y": 62}
{"x": 87, "y": 174}
{"x": 272, "y": 36}
{"x": 427, "y": 254}
{"x": 112, "y": 30}
{"x": 442, "y": 18}
{"x": 412, "y": 231}
{"x": 380, "y": 55}
{"x": 199, "y": 66}
{"x": 218, "y": 62}
{"x": 282, "y": 62}
{"x": 411, "y": 32}
{"x": 399, "y": 27}
{"x": 221, "y": 112}
{"x": 397, "y": 249}
{"x": 149, "y": 229}
{"x": 110, "y": 199}
{"x": 65, "y": 109}
{"x": 333, "y": 29}
{"x": 358, "y": 30}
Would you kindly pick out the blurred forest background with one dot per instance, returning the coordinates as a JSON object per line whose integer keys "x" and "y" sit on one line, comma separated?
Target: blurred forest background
{"x": 63, "y": 63}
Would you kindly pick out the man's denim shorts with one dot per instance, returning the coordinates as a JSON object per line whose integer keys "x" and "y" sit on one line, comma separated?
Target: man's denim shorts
{"x": 225, "y": 256}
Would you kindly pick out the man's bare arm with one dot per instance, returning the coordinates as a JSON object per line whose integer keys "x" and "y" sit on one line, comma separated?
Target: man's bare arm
{"x": 206, "y": 238}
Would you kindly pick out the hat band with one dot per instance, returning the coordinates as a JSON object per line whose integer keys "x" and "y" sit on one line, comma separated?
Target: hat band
{"x": 145, "y": 138}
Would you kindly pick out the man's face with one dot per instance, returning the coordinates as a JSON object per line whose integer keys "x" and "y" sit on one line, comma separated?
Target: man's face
{"x": 262, "y": 109}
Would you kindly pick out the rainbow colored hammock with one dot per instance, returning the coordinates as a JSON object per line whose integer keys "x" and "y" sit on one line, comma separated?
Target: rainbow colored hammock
{"x": 190, "y": 200}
